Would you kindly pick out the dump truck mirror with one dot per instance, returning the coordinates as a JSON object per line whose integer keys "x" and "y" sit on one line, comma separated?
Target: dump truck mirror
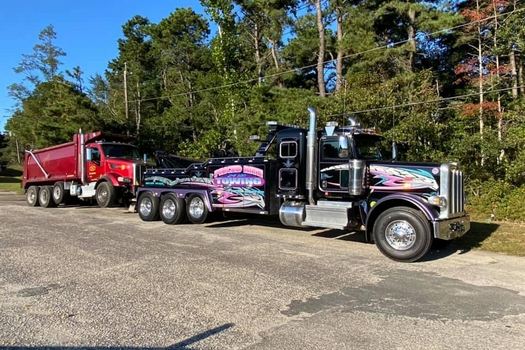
{"x": 343, "y": 147}
{"x": 89, "y": 154}
{"x": 145, "y": 158}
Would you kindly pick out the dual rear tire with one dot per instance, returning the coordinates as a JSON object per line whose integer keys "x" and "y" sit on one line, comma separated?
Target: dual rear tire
{"x": 40, "y": 196}
{"x": 172, "y": 209}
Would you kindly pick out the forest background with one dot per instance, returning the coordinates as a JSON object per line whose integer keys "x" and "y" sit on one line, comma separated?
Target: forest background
{"x": 443, "y": 77}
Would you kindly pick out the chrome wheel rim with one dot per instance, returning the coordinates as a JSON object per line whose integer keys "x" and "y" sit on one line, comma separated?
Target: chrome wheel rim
{"x": 196, "y": 207}
{"x": 146, "y": 206}
{"x": 56, "y": 193}
{"x": 102, "y": 195}
{"x": 32, "y": 197}
{"x": 43, "y": 196}
{"x": 400, "y": 235}
{"x": 168, "y": 208}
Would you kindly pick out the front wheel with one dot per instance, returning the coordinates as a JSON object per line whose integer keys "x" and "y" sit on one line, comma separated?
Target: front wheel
{"x": 403, "y": 234}
{"x": 196, "y": 209}
{"x": 105, "y": 195}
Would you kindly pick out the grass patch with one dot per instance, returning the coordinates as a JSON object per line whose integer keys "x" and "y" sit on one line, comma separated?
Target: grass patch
{"x": 10, "y": 180}
{"x": 500, "y": 237}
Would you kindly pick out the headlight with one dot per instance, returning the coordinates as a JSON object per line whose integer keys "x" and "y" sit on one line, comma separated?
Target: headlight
{"x": 123, "y": 179}
{"x": 438, "y": 201}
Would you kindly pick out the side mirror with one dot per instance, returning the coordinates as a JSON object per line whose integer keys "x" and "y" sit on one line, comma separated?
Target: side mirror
{"x": 145, "y": 158}
{"x": 394, "y": 150}
{"x": 89, "y": 154}
{"x": 343, "y": 147}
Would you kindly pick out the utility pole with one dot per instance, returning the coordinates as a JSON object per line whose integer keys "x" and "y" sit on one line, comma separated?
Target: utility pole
{"x": 126, "y": 91}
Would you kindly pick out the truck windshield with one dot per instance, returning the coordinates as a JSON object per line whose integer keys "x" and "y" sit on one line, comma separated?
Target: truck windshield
{"x": 120, "y": 151}
{"x": 372, "y": 147}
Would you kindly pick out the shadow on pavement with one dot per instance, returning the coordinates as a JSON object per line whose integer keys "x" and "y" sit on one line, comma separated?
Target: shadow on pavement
{"x": 182, "y": 345}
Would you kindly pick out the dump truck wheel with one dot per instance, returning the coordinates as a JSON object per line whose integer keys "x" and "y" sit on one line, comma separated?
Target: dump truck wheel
{"x": 403, "y": 234}
{"x": 196, "y": 209}
{"x": 32, "y": 196}
{"x": 59, "y": 193}
{"x": 45, "y": 197}
{"x": 105, "y": 195}
{"x": 172, "y": 209}
{"x": 148, "y": 207}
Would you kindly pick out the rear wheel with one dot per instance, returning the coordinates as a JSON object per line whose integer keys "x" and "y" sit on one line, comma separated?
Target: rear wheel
{"x": 148, "y": 207}
{"x": 32, "y": 196}
{"x": 402, "y": 234}
{"x": 196, "y": 209}
{"x": 105, "y": 195}
{"x": 172, "y": 209}
{"x": 59, "y": 193}
{"x": 45, "y": 197}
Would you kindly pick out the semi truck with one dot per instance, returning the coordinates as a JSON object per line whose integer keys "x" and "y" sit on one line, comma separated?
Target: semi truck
{"x": 337, "y": 178}
{"x": 92, "y": 165}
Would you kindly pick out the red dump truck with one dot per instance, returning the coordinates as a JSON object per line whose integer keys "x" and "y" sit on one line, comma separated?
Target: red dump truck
{"x": 88, "y": 166}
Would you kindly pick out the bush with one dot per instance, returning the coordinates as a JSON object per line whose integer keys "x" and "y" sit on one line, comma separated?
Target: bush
{"x": 497, "y": 200}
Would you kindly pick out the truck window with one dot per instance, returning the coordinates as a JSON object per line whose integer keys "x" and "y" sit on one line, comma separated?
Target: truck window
{"x": 371, "y": 147}
{"x": 120, "y": 151}
{"x": 288, "y": 149}
{"x": 330, "y": 149}
{"x": 95, "y": 154}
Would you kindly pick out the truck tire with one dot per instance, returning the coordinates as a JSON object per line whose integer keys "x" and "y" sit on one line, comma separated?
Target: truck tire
{"x": 172, "y": 209}
{"x": 105, "y": 195}
{"x": 45, "y": 197}
{"x": 196, "y": 209}
{"x": 148, "y": 207}
{"x": 402, "y": 234}
{"x": 32, "y": 196}
{"x": 59, "y": 193}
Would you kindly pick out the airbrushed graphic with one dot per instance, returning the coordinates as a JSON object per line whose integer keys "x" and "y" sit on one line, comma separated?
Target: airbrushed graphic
{"x": 233, "y": 186}
{"x": 391, "y": 178}
{"x": 238, "y": 186}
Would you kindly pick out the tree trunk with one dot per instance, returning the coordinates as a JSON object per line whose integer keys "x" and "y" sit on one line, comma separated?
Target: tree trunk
{"x": 513, "y": 73}
{"x": 320, "y": 57}
{"x": 480, "y": 85}
{"x": 411, "y": 38}
{"x": 256, "y": 43}
{"x": 521, "y": 81}
{"x": 275, "y": 58}
{"x": 340, "y": 50}
{"x": 500, "y": 110}
{"x": 138, "y": 110}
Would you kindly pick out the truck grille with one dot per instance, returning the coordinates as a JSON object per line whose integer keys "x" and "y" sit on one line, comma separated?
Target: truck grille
{"x": 457, "y": 194}
{"x": 138, "y": 174}
{"x": 452, "y": 188}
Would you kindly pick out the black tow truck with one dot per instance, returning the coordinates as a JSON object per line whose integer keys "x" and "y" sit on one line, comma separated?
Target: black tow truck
{"x": 336, "y": 178}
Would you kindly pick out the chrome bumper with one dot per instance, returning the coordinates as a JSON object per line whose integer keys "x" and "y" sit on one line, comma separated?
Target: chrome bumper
{"x": 451, "y": 228}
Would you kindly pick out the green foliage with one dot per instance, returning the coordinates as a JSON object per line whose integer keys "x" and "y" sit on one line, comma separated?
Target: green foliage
{"x": 497, "y": 200}
{"x": 198, "y": 92}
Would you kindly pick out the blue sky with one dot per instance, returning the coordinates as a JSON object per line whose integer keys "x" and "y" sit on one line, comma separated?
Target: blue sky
{"x": 86, "y": 30}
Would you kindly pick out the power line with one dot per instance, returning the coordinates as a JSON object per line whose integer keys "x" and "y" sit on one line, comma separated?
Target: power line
{"x": 293, "y": 70}
{"x": 410, "y": 104}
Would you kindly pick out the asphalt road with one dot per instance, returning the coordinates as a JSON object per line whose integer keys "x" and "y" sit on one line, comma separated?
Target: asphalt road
{"x": 87, "y": 277}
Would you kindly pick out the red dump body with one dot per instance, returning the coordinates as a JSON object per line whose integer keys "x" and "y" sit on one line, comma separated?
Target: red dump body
{"x": 57, "y": 163}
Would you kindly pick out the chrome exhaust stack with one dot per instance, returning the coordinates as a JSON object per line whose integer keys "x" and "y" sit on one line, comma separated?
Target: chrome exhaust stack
{"x": 82, "y": 158}
{"x": 311, "y": 148}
